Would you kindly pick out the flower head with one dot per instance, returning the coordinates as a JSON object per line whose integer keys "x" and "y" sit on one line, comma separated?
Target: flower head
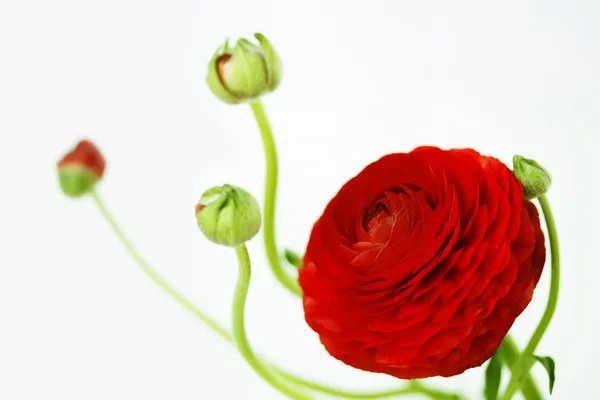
{"x": 245, "y": 72}
{"x": 421, "y": 263}
{"x": 80, "y": 169}
{"x": 228, "y": 215}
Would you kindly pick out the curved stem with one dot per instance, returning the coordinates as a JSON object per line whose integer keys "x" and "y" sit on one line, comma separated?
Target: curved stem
{"x": 413, "y": 388}
{"x": 270, "y": 197}
{"x": 509, "y": 354}
{"x": 526, "y": 361}
{"x": 239, "y": 329}
{"x": 155, "y": 276}
{"x": 433, "y": 394}
{"x": 223, "y": 333}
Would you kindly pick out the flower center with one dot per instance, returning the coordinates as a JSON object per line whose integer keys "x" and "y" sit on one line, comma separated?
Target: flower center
{"x": 389, "y": 212}
{"x": 378, "y": 222}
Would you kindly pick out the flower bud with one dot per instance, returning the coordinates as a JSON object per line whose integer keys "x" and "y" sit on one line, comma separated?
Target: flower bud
{"x": 228, "y": 215}
{"x": 534, "y": 178}
{"x": 80, "y": 169}
{"x": 245, "y": 72}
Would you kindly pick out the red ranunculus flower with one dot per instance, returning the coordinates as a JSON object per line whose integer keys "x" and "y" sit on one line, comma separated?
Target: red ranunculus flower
{"x": 420, "y": 264}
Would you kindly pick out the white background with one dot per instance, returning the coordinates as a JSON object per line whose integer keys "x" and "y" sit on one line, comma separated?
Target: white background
{"x": 78, "y": 319}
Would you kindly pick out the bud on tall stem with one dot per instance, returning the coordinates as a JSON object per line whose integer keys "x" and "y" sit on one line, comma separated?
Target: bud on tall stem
{"x": 245, "y": 72}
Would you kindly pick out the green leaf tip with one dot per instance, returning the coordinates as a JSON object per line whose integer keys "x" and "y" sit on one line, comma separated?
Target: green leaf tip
{"x": 292, "y": 258}
{"x": 550, "y": 367}
{"x": 493, "y": 376}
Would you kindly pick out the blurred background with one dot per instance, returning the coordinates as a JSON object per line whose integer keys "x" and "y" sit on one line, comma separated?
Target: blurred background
{"x": 78, "y": 319}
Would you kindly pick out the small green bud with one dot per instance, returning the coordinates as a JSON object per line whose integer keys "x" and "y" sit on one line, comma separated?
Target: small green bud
{"x": 228, "y": 215}
{"x": 245, "y": 72}
{"x": 534, "y": 178}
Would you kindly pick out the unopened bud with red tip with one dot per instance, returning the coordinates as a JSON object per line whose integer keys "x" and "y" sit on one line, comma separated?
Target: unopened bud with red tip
{"x": 80, "y": 169}
{"x": 228, "y": 215}
{"x": 534, "y": 178}
{"x": 244, "y": 72}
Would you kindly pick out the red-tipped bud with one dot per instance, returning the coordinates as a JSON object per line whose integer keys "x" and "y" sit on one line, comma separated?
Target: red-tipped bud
{"x": 80, "y": 169}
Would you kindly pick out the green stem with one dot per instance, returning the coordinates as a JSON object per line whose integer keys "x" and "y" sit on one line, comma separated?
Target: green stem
{"x": 433, "y": 394}
{"x": 413, "y": 388}
{"x": 526, "y": 361}
{"x": 239, "y": 329}
{"x": 509, "y": 354}
{"x": 223, "y": 333}
{"x": 270, "y": 197}
{"x": 154, "y": 275}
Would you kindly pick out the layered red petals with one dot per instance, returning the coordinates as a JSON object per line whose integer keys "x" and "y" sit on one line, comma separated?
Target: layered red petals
{"x": 419, "y": 266}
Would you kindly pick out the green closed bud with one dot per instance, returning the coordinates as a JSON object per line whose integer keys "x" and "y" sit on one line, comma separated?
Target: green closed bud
{"x": 534, "y": 178}
{"x": 228, "y": 215}
{"x": 245, "y": 72}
